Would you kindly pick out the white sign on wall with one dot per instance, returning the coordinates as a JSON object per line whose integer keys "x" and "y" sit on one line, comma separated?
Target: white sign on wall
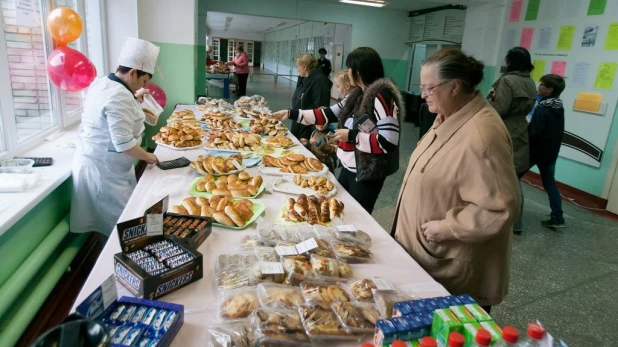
{"x": 25, "y": 13}
{"x": 444, "y": 25}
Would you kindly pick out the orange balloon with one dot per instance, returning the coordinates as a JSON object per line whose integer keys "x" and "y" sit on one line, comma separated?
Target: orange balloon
{"x": 64, "y": 25}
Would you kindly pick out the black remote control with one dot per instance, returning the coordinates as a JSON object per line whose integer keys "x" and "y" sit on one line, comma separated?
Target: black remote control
{"x": 174, "y": 164}
{"x": 39, "y": 161}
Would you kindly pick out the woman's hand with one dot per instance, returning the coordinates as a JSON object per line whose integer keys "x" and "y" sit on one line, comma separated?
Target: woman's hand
{"x": 140, "y": 94}
{"x": 341, "y": 135}
{"x": 282, "y": 115}
{"x": 432, "y": 232}
{"x": 151, "y": 159}
{"x": 304, "y": 141}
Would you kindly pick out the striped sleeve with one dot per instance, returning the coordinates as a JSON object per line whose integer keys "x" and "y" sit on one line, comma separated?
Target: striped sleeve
{"x": 318, "y": 116}
{"x": 386, "y": 139}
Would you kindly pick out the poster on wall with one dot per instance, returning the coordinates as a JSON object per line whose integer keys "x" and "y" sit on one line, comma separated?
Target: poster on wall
{"x": 442, "y": 25}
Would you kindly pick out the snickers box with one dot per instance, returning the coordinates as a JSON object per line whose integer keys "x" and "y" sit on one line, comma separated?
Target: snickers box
{"x": 187, "y": 230}
{"x": 103, "y": 304}
{"x": 133, "y": 236}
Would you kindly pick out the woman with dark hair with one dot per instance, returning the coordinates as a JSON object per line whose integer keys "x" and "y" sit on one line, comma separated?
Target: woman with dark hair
{"x": 368, "y": 131}
{"x": 513, "y": 96}
{"x": 459, "y": 195}
{"x": 242, "y": 70}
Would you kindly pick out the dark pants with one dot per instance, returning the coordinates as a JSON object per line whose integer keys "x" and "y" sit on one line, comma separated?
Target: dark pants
{"x": 548, "y": 171}
{"x": 487, "y": 309}
{"x": 365, "y": 192}
{"x": 301, "y": 131}
{"x": 242, "y": 83}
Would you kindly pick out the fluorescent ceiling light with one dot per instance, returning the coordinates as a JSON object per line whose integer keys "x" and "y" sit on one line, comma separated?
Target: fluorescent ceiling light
{"x": 372, "y": 3}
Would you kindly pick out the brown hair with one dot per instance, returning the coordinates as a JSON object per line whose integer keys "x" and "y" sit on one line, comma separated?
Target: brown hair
{"x": 554, "y": 81}
{"x": 453, "y": 64}
{"x": 342, "y": 76}
{"x": 307, "y": 60}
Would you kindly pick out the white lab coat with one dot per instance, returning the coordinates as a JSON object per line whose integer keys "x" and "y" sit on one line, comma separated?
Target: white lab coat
{"x": 104, "y": 177}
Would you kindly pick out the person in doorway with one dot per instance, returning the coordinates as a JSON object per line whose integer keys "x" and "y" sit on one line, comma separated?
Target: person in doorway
{"x": 324, "y": 63}
{"x": 241, "y": 62}
{"x": 109, "y": 141}
{"x": 513, "y": 96}
{"x": 312, "y": 91}
{"x": 459, "y": 196}
{"x": 545, "y": 131}
{"x": 367, "y": 158}
{"x": 208, "y": 60}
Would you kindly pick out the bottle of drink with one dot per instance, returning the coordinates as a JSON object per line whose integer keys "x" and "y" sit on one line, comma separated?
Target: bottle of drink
{"x": 429, "y": 341}
{"x": 398, "y": 343}
{"x": 482, "y": 339}
{"x": 510, "y": 336}
{"x": 456, "y": 340}
{"x": 536, "y": 333}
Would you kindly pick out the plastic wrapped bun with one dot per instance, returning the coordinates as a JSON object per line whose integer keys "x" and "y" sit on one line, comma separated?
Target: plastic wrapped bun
{"x": 279, "y": 296}
{"x": 276, "y": 326}
{"x": 237, "y": 304}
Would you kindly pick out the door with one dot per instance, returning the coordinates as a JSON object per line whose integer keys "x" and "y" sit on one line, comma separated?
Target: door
{"x": 612, "y": 198}
{"x": 257, "y": 54}
{"x": 418, "y": 58}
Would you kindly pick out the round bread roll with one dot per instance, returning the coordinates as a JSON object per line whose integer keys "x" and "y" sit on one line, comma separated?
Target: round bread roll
{"x": 222, "y": 218}
{"x": 222, "y": 203}
{"x": 253, "y": 190}
{"x": 244, "y": 211}
{"x": 257, "y": 181}
{"x": 222, "y": 184}
{"x": 186, "y": 138}
{"x": 191, "y": 207}
{"x": 240, "y": 193}
{"x": 244, "y": 176}
{"x": 233, "y": 214}
{"x": 231, "y": 178}
{"x": 208, "y": 178}
{"x": 201, "y": 187}
{"x": 179, "y": 210}
{"x": 210, "y": 186}
{"x": 207, "y": 211}
{"x": 221, "y": 192}
{"x": 202, "y": 202}
{"x": 295, "y": 157}
{"x": 165, "y": 129}
{"x": 173, "y": 137}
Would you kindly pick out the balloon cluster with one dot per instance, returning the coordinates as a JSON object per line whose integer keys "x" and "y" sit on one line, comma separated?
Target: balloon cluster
{"x": 68, "y": 68}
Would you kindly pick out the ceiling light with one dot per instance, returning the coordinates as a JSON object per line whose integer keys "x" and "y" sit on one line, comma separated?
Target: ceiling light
{"x": 372, "y": 3}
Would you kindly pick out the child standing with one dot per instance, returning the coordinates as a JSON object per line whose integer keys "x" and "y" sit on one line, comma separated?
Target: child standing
{"x": 321, "y": 143}
{"x": 545, "y": 133}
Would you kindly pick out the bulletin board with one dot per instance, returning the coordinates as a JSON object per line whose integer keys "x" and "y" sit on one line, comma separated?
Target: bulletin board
{"x": 577, "y": 39}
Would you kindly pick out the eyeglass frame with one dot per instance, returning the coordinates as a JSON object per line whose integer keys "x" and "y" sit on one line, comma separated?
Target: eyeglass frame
{"x": 429, "y": 90}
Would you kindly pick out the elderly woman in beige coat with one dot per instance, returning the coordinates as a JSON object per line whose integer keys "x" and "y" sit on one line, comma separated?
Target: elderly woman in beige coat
{"x": 460, "y": 195}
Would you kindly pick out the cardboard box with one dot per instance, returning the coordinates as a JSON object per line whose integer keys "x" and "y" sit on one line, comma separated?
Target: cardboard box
{"x": 465, "y": 299}
{"x": 385, "y": 332}
{"x": 426, "y": 319}
{"x": 186, "y": 230}
{"x": 430, "y": 304}
{"x": 402, "y": 308}
{"x": 418, "y": 328}
{"x": 478, "y": 313}
{"x": 469, "y": 332}
{"x": 494, "y": 330}
{"x": 444, "y": 323}
{"x": 462, "y": 314}
{"x": 418, "y": 306}
{"x": 404, "y": 330}
{"x": 104, "y": 300}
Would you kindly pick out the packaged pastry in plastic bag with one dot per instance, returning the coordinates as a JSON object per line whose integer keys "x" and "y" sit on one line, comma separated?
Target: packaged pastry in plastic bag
{"x": 323, "y": 325}
{"x": 356, "y": 317}
{"x": 231, "y": 261}
{"x": 266, "y": 254}
{"x": 357, "y": 236}
{"x": 351, "y": 252}
{"x": 230, "y": 335}
{"x": 230, "y": 279}
{"x": 319, "y": 293}
{"x": 329, "y": 267}
{"x": 362, "y": 290}
{"x": 324, "y": 232}
{"x": 256, "y": 275}
{"x": 277, "y": 326}
{"x": 237, "y": 304}
{"x": 249, "y": 242}
{"x": 279, "y": 296}
{"x": 297, "y": 266}
{"x": 267, "y": 232}
{"x": 385, "y": 299}
{"x": 323, "y": 249}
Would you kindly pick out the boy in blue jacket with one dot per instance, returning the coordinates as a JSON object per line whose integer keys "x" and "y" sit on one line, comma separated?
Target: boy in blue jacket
{"x": 545, "y": 133}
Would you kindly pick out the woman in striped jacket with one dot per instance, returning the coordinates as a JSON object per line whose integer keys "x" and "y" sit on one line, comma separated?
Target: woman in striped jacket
{"x": 368, "y": 131}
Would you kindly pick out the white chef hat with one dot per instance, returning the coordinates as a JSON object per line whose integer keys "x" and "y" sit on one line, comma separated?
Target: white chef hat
{"x": 138, "y": 54}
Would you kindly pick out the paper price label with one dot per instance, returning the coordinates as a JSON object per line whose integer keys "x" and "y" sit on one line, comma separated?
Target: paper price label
{"x": 382, "y": 283}
{"x": 286, "y": 250}
{"x": 346, "y": 228}
{"x": 271, "y": 268}
{"x": 154, "y": 224}
{"x": 306, "y": 245}
{"x": 236, "y": 164}
{"x": 108, "y": 289}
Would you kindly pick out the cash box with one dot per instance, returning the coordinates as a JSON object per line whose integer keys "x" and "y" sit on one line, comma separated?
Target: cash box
{"x": 132, "y": 321}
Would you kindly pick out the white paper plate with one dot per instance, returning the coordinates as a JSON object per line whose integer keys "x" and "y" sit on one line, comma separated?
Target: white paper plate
{"x": 284, "y": 185}
{"x": 179, "y": 149}
{"x": 275, "y": 171}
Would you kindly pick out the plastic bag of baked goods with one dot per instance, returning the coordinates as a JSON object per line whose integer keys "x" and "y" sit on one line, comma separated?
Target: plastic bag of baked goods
{"x": 279, "y": 296}
{"x": 324, "y": 267}
{"x": 230, "y": 335}
{"x": 324, "y": 232}
{"x": 323, "y": 293}
{"x": 232, "y": 269}
{"x": 385, "y": 299}
{"x": 351, "y": 252}
{"x": 268, "y": 268}
{"x": 322, "y": 325}
{"x": 249, "y": 242}
{"x": 274, "y": 327}
{"x": 357, "y": 236}
{"x": 356, "y": 317}
{"x": 267, "y": 232}
{"x": 362, "y": 290}
{"x": 236, "y": 305}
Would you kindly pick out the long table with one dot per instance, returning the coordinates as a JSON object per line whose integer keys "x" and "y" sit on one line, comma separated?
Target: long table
{"x": 389, "y": 261}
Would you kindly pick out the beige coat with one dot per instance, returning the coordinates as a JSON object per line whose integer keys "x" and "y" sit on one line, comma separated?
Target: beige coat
{"x": 462, "y": 175}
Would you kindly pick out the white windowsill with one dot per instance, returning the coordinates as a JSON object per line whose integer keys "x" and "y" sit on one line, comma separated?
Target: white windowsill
{"x": 14, "y": 206}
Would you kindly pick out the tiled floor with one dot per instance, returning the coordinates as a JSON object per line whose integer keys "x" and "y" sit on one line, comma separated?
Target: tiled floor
{"x": 565, "y": 279}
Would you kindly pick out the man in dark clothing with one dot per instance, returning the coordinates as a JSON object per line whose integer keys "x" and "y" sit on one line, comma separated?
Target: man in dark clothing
{"x": 545, "y": 133}
{"x": 324, "y": 63}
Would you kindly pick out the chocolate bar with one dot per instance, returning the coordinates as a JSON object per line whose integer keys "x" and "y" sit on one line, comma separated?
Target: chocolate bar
{"x": 157, "y": 323}
{"x": 179, "y": 222}
{"x": 158, "y": 246}
{"x": 120, "y": 334}
{"x": 167, "y": 220}
{"x": 116, "y": 314}
{"x": 168, "y": 253}
{"x": 159, "y": 271}
{"x": 178, "y": 260}
{"x": 127, "y": 313}
{"x": 195, "y": 224}
{"x": 132, "y": 336}
{"x": 149, "y": 316}
{"x": 137, "y": 255}
{"x": 169, "y": 320}
{"x": 139, "y": 314}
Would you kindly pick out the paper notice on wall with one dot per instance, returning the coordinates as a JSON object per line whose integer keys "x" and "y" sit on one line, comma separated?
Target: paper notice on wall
{"x": 596, "y": 7}
{"x": 611, "y": 42}
{"x": 511, "y": 35}
{"x": 533, "y": 9}
{"x": 580, "y": 74}
{"x": 25, "y": 13}
{"x": 589, "y": 38}
{"x": 539, "y": 69}
{"x": 545, "y": 38}
{"x": 605, "y": 76}
{"x": 526, "y": 38}
{"x": 515, "y": 11}
{"x": 566, "y": 37}
{"x": 588, "y": 102}
{"x": 558, "y": 67}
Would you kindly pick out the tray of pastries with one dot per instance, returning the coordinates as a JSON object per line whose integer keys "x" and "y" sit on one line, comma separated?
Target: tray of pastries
{"x": 279, "y": 141}
{"x": 291, "y": 165}
{"x": 235, "y": 141}
{"x": 267, "y": 126}
{"x": 181, "y": 115}
{"x": 218, "y": 165}
{"x": 225, "y": 211}
{"x": 238, "y": 186}
{"x": 181, "y": 138}
{"x": 305, "y": 185}
{"x": 311, "y": 209}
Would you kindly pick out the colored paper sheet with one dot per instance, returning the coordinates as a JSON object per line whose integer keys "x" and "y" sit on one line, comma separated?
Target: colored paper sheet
{"x": 545, "y": 38}
{"x": 588, "y": 102}
{"x": 596, "y": 7}
{"x": 533, "y": 9}
{"x": 605, "y": 76}
{"x": 558, "y": 67}
{"x": 515, "y": 11}
{"x": 539, "y": 69}
{"x": 566, "y": 37}
{"x": 511, "y": 35}
{"x": 581, "y": 73}
{"x": 611, "y": 42}
{"x": 526, "y": 38}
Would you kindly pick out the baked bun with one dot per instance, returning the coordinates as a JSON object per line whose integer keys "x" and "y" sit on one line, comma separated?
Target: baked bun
{"x": 221, "y": 192}
{"x": 240, "y": 193}
{"x": 222, "y": 218}
{"x": 244, "y": 176}
{"x": 233, "y": 214}
{"x": 179, "y": 210}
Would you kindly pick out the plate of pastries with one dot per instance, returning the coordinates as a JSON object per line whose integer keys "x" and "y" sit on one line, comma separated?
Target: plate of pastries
{"x": 225, "y": 211}
{"x": 235, "y": 141}
{"x": 218, "y": 165}
{"x": 180, "y": 138}
{"x": 239, "y": 186}
{"x": 311, "y": 209}
{"x": 292, "y": 164}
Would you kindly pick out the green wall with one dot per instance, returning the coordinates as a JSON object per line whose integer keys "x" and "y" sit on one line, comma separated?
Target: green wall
{"x": 396, "y": 70}
{"x": 489, "y": 76}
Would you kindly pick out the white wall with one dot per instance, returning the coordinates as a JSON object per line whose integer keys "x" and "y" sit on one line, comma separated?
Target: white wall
{"x": 483, "y": 31}
{"x": 119, "y": 11}
{"x": 241, "y": 35}
{"x": 167, "y": 21}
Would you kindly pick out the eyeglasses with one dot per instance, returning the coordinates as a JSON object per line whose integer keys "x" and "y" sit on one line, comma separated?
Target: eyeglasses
{"x": 429, "y": 90}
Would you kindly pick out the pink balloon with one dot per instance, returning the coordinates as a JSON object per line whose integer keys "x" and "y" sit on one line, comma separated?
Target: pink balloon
{"x": 70, "y": 69}
{"x": 157, "y": 93}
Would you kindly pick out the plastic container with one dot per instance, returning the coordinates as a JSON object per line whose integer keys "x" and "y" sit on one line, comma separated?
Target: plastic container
{"x": 275, "y": 326}
{"x": 351, "y": 252}
{"x": 362, "y": 290}
{"x": 279, "y": 296}
{"x": 536, "y": 334}
{"x": 510, "y": 337}
{"x": 386, "y": 299}
{"x": 356, "y": 317}
{"x": 322, "y": 294}
{"x": 330, "y": 268}
{"x": 322, "y": 326}
{"x": 236, "y": 305}
{"x": 16, "y": 166}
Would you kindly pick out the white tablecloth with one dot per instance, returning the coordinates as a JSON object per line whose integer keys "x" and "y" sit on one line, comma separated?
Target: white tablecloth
{"x": 390, "y": 260}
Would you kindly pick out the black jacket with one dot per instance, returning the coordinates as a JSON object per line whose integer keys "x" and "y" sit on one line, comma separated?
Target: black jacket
{"x": 325, "y": 66}
{"x": 311, "y": 92}
{"x": 545, "y": 131}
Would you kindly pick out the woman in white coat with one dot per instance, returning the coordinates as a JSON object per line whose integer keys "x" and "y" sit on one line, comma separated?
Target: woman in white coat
{"x": 109, "y": 141}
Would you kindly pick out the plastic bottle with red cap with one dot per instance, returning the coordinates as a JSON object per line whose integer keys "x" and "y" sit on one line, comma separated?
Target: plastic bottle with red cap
{"x": 429, "y": 341}
{"x": 535, "y": 337}
{"x": 510, "y": 337}
{"x": 456, "y": 340}
{"x": 482, "y": 338}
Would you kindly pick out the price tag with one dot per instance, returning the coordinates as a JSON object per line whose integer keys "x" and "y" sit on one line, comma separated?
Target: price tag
{"x": 235, "y": 163}
{"x": 306, "y": 246}
{"x": 271, "y": 268}
{"x": 346, "y": 228}
{"x": 286, "y": 250}
{"x": 154, "y": 224}
{"x": 108, "y": 289}
{"x": 382, "y": 283}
